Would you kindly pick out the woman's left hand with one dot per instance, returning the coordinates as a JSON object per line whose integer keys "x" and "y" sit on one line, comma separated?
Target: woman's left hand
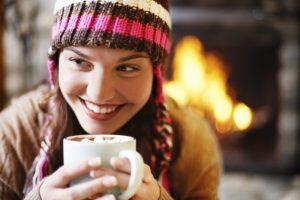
{"x": 149, "y": 188}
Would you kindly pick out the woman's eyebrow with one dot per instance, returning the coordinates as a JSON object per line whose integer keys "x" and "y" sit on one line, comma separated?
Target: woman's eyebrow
{"x": 77, "y": 52}
{"x": 123, "y": 59}
{"x": 139, "y": 55}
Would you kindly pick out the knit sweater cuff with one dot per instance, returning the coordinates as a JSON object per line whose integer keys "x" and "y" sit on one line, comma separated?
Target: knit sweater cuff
{"x": 164, "y": 195}
{"x": 34, "y": 194}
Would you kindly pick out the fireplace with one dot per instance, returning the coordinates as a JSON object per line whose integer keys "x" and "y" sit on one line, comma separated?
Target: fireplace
{"x": 252, "y": 46}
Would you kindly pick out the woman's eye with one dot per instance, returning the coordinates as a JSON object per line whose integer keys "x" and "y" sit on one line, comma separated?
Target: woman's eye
{"x": 127, "y": 68}
{"x": 79, "y": 62}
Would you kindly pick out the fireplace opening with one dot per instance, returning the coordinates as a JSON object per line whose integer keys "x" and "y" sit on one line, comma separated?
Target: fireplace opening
{"x": 245, "y": 52}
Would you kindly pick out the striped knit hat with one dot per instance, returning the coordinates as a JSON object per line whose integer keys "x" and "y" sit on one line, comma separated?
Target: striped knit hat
{"x": 140, "y": 25}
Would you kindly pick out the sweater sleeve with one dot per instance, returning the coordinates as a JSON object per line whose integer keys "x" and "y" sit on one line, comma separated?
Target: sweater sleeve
{"x": 11, "y": 174}
{"x": 204, "y": 157}
{"x": 164, "y": 195}
{"x": 34, "y": 194}
{"x": 19, "y": 142}
{"x": 196, "y": 173}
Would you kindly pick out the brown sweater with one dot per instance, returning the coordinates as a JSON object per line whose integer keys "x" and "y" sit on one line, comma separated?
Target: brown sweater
{"x": 194, "y": 175}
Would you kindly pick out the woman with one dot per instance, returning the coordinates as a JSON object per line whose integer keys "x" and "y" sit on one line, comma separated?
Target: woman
{"x": 105, "y": 65}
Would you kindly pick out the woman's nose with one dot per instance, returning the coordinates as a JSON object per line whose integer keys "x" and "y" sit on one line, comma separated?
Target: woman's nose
{"x": 101, "y": 87}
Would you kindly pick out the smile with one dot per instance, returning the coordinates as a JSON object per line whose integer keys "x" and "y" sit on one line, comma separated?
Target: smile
{"x": 100, "y": 109}
{"x": 101, "y": 112}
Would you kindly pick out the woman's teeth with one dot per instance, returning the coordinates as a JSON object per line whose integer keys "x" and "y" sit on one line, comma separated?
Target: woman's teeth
{"x": 100, "y": 109}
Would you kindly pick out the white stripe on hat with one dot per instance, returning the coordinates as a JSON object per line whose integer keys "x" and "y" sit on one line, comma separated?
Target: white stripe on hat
{"x": 146, "y": 5}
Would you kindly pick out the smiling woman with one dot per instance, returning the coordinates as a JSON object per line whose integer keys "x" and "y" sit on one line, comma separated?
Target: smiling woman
{"x": 104, "y": 91}
{"x": 105, "y": 77}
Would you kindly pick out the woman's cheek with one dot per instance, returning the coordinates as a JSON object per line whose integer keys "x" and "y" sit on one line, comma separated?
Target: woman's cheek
{"x": 138, "y": 90}
{"x": 70, "y": 80}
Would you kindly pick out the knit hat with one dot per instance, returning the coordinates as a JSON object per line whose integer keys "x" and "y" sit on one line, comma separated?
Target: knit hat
{"x": 139, "y": 25}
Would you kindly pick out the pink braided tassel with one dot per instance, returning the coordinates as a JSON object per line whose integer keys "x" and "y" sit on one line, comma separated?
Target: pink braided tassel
{"x": 158, "y": 74}
{"x": 51, "y": 71}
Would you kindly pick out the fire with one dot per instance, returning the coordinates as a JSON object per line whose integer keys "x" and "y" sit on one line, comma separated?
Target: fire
{"x": 242, "y": 116}
{"x": 199, "y": 80}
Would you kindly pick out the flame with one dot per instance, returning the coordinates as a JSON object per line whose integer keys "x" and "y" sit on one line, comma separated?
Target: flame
{"x": 188, "y": 73}
{"x": 242, "y": 116}
{"x": 199, "y": 79}
{"x": 177, "y": 92}
{"x": 223, "y": 110}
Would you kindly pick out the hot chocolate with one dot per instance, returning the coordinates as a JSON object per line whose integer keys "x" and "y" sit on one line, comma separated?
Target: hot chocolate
{"x": 79, "y": 148}
{"x": 106, "y": 139}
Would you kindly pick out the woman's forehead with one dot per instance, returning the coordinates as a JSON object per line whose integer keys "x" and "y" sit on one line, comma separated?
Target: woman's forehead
{"x": 103, "y": 51}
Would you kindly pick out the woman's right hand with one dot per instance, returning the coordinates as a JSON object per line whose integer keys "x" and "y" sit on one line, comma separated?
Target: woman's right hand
{"x": 55, "y": 186}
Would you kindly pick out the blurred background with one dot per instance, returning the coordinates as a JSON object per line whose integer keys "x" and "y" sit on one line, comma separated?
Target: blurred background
{"x": 235, "y": 62}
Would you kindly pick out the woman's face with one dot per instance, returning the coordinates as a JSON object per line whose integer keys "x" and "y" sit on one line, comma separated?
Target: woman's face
{"x": 104, "y": 87}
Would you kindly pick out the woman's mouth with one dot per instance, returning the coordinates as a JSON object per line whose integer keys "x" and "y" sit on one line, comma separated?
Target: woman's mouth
{"x": 100, "y": 109}
{"x": 100, "y": 112}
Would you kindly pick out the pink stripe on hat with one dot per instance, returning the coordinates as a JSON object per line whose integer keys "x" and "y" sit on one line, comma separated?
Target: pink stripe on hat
{"x": 112, "y": 25}
{"x": 137, "y": 30}
{"x": 85, "y": 21}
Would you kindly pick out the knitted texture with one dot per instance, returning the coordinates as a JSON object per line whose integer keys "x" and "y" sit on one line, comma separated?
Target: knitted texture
{"x": 140, "y": 25}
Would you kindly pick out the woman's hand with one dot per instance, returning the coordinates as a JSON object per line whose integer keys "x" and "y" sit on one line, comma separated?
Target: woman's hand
{"x": 149, "y": 188}
{"x": 55, "y": 185}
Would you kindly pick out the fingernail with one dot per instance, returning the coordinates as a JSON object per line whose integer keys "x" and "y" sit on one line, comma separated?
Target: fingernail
{"x": 95, "y": 162}
{"x": 109, "y": 197}
{"x": 109, "y": 181}
{"x": 92, "y": 174}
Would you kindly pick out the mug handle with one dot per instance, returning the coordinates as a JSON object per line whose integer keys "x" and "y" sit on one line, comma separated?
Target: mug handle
{"x": 136, "y": 173}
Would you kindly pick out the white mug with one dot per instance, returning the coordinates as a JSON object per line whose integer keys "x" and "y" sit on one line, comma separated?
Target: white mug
{"x": 76, "y": 150}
